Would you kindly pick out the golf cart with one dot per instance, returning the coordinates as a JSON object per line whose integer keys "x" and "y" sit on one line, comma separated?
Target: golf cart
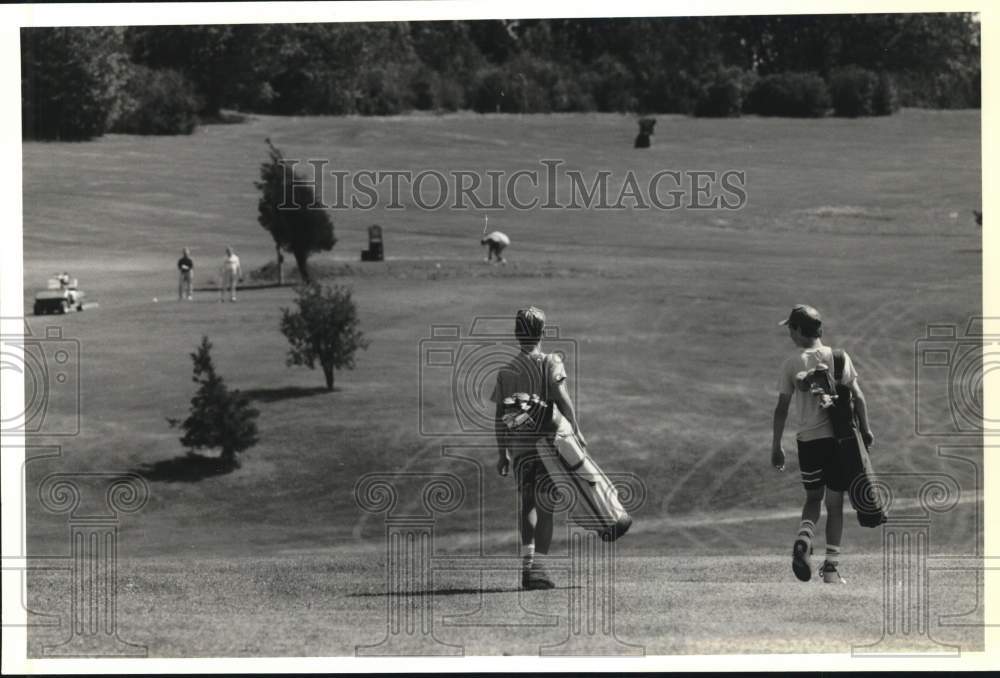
{"x": 61, "y": 296}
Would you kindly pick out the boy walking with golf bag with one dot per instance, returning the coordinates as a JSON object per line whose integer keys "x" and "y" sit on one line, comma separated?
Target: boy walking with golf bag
{"x": 536, "y": 424}
{"x": 833, "y": 414}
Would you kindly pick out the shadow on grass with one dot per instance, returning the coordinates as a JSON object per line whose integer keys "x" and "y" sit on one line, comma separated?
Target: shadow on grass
{"x": 450, "y": 592}
{"x": 189, "y": 468}
{"x": 271, "y": 395}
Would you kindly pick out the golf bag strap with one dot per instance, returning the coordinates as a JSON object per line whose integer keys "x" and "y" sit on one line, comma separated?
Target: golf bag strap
{"x": 545, "y": 379}
{"x": 551, "y": 407}
{"x": 838, "y": 365}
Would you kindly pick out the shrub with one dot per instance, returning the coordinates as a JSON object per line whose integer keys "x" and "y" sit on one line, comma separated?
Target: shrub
{"x": 723, "y": 92}
{"x": 885, "y": 100}
{"x": 612, "y": 84}
{"x": 570, "y": 94}
{"x": 791, "y": 94}
{"x": 384, "y": 90}
{"x": 324, "y": 329}
{"x": 433, "y": 91}
{"x": 669, "y": 90}
{"x": 487, "y": 93}
{"x": 526, "y": 84}
{"x": 449, "y": 95}
{"x": 219, "y": 418}
{"x": 852, "y": 91}
{"x": 157, "y": 102}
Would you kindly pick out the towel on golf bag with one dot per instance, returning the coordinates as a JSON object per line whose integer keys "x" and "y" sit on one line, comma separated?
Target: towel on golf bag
{"x": 596, "y": 506}
{"x": 862, "y": 491}
{"x": 524, "y": 413}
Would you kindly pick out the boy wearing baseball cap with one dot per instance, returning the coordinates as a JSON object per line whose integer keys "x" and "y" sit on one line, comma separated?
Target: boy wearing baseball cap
{"x": 824, "y": 474}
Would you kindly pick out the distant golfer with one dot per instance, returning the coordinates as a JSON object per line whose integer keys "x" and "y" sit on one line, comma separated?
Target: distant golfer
{"x": 822, "y": 471}
{"x": 497, "y": 242}
{"x": 68, "y": 285}
{"x": 532, "y": 372}
{"x": 231, "y": 274}
{"x": 185, "y": 270}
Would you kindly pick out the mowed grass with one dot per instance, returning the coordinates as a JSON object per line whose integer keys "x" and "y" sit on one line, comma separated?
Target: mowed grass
{"x": 334, "y": 603}
{"x": 671, "y": 317}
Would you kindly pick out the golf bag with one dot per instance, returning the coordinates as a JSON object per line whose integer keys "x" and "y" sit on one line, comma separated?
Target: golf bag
{"x": 853, "y": 453}
{"x": 594, "y": 501}
{"x": 595, "y": 505}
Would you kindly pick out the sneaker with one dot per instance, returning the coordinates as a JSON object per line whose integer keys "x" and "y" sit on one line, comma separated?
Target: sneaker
{"x": 800, "y": 560}
{"x": 535, "y": 578}
{"x": 830, "y": 574}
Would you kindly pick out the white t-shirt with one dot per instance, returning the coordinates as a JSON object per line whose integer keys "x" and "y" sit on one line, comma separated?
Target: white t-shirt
{"x": 231, "y": 263}
{"x": 498, "y": 237}
{"x": 531, "y": 373}
{"x": 814, "y": 421}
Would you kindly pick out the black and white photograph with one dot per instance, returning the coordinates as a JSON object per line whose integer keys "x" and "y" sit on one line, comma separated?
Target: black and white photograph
{"x": 430, "y": 336}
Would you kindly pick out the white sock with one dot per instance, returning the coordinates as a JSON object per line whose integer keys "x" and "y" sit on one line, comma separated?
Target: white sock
{"x": 528, "y": 554}
{"x": 833, "y": 554}
{"x": 806, "y": 528}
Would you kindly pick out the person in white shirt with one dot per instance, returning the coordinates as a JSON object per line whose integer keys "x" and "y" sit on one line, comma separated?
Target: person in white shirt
{"x": 532, "y": 371}
{"x": 497, "y": 242}
{"x": 231, "y": 274}
{"x": 824, "y": 475}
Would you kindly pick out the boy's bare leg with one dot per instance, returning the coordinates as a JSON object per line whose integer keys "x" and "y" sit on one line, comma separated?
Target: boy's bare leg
{"x": 536, "y": 536}
{"x": 834, "y": 525}
{"x": 811, "y": 509}
{"x": 543, "y": 530}
{"x": 536, "y": 529}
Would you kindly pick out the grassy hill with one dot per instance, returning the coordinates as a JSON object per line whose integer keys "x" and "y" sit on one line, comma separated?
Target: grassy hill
{"x": 672, "y": 317}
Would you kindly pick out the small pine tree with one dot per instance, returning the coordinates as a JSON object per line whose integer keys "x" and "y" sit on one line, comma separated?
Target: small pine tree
{"x": 219, "y": 418}
{"x": 324, "y": 329}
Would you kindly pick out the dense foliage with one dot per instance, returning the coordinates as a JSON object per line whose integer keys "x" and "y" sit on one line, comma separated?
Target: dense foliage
{"x": 157, "y": 102}
{"x": 72, "y": 81}
{"x": 323, "y": 329}
{"x": 289, "y": 211}
{"x": 73, "y": 76}
{"x": 791, "y": 94}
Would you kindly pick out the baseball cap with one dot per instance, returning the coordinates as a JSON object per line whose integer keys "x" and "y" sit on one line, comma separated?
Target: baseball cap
{"x": 804, "y": 317}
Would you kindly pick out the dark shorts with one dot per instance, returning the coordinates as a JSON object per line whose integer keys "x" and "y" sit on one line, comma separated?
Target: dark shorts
{"x": 820, "y": 464}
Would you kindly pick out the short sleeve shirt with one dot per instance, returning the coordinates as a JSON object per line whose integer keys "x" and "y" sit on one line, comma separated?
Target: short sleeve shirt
{"x": 530, "y": 373}
{"x": 498, "y": 238}
{"x": 814, "y": 422}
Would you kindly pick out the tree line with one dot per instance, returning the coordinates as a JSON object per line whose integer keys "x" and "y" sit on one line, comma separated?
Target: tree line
{"x": 78, "y": 83}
